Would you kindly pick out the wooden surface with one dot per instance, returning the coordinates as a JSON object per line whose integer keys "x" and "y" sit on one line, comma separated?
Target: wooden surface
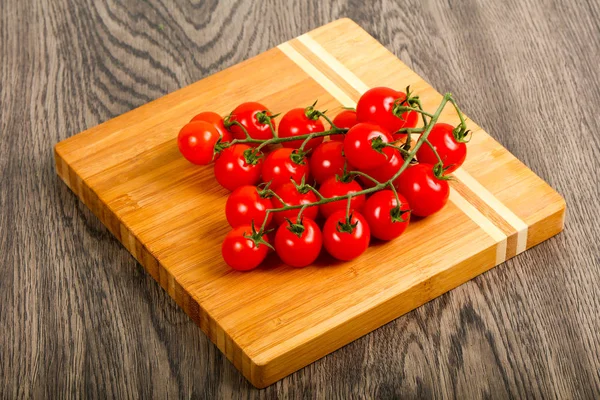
{"x": 526, "y": 328}
{"x": 170, "y": 214}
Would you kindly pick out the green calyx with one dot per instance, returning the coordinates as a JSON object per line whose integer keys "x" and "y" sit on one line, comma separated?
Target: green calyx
{"x": 302, "y": 187}
{"x": 264, "y": 117}
{"x": 378, "y": 144}
{"x": 347, "y": 226}
{"x": 399, "y": 215}
{"x": 312, "y": 113}
{"x": 462, "y": 134}
{"x": 296, "y": 228}
{"x": 252, "y": 157}
{"x": 298, "y": 156}
{"x": 439, "y": 171}
{"x": 257, "y": 237}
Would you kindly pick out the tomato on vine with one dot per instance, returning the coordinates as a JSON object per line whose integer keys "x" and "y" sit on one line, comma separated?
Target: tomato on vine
{"x": 449, "y": 145}
{"x": 365, "y": 146}
{"x": 298, "y": 244}
{"x": 344, "y": 120}
{"x": 254, "y": 117}
{"x": 238, "y": 166}
{"x": 301, "y": 121}
{"x": 294, "y": 195}
{"x": 340, "y": 186}
{"x": 386, "y": 218}
{"x": 376, "y": 106}
{"x": 196, "y": 142}
{"x": 343, "y": 239}
{"x": 426, "y": 193}
{"x": 243, "y": 249}
{"x": 247, "y": 204}
{"x": 386, "y": 171}
{"x": 284, "y": 164}
{"x": 328, "y": 160}
{"x": 217, "y": 121}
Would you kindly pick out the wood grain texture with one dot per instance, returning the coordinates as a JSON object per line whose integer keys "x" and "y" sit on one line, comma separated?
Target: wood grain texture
{"x": 528, "y": 328}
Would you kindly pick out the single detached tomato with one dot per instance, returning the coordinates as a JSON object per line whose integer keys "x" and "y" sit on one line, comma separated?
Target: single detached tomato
{"x": 197, "y": 141}
{"x": 242, "y": 253}
{"x": 299, "y": 244}
{"x": 387, "y": 219}
{"x": 254, "y": 117}
{"x": 364, "y": 146}
{"x": 292, "y": 196}
{"x": 334, "y": 187}
{"x": 386, "y": 171}
{"x": 281, "y": 165}
{"x": 245, "y": 205}
{"x": 237, "y": 166}
{"x": 346, "y": 241}
{"x": 328, "y": 160}
{"x": 377, "y": 105}
{"x": 425, "y": 193}
{"x": 451, "y": 151}
{"x": 217, "y": 121}
{"x": 346, "y": 120}
{"x": 300, "y": 121}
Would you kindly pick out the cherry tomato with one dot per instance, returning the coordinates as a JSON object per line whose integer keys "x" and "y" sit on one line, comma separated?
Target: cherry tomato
{"x": 298, "y": 247}
{"x": 385, "y": 172}
{"x": 235, "y": 167}
{"x": 452, "y": 152}
{"x": 346, "y": 119}
{"x": 333, "y": 187}
{"x": 376, "y": 106}
{"x": 425, "y": 193}
{"x": 242, "y": 253}
{"x": 345, "y": 245}
{"x": 293, "y": 197}
{"x": 387, "y": 220}
{"x": 297, "y": 122}
{"x": 281, "y": 165}
{"x": 328, "y": 160}
{"x": 217, "y": 121}
{"x": 245, "y": 204}
{"x": 197, "y": 141}
{"x": 247, "y": 115}
{"x": 359, "y": 146}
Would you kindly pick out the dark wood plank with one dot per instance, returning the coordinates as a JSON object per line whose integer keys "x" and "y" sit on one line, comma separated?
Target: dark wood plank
{"x": 79, "y": 316}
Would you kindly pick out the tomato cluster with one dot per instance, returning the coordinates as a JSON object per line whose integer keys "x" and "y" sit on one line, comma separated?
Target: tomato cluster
{"x": 332, "y": 189}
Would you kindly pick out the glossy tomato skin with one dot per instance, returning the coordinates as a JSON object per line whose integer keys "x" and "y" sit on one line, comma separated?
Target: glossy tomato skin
{"x": 346, "y": 120}
{"x": 246, "y": 114}
{"x": 241, "y": 253}
{"x": 296, "y": 123}
{"x": 333, "y": 187}
{"x": 217, "y": 121}
{"x": 376, "y": 106}
{"x": 292, "y": 197}
{"x": 358, "y": 146}
{"x": 328, "y": 160}
{"x": 342, "y": 245}
{"x": 279, "y": 168}
{"x": 385, "y": 172}
{"x": 299, "y": 251}
{"x": 245, "y": 205}
{"x": 196, "y": 142}
{"x": 425, "y": 193}
{"x": 232, "y": 169}
{"x": 452, "y": 152}
{"x": 378, "y": 213}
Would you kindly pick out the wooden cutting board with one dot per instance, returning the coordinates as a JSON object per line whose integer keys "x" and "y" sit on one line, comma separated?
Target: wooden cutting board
{"x": 272, "y": 321}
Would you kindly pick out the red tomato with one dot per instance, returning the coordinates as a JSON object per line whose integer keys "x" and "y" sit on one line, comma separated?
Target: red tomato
{"x": 296, "y": 122}
{"x": 244, "y": 205}
{"x": 333, "y": 187}
{"x": 425, "y": 193}
{"x": 346, "y": 119}
{"x": 242, "y": 253}
{"x": 328, "y": 160}
{"x": 247, "y": 115}
{"x": 217, "y": 121}
{"x": 359, "y": 146}
{"x": 387, "y": 219}
{"x": 298, "y": 247}
{"x": 385, "y": 172}
{"x": 452, "y": 152}
{"x": 293, "y": 197}
{"x": 235, "y": 167}
{"x": 376, "y": 106}
{"x": 342, "y": 244}
{"x": 197, "y": 141}
{"x": 281, "y": 165}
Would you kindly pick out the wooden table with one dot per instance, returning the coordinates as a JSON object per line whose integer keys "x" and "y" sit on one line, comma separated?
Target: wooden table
{"x": 77, "y": 313}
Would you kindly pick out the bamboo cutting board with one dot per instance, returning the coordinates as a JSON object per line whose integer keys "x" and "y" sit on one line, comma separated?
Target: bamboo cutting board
{"x": 272, "y": 321}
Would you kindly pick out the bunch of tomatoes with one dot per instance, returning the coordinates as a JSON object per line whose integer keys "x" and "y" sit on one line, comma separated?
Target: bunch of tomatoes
{"x": 299, "y": 187}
